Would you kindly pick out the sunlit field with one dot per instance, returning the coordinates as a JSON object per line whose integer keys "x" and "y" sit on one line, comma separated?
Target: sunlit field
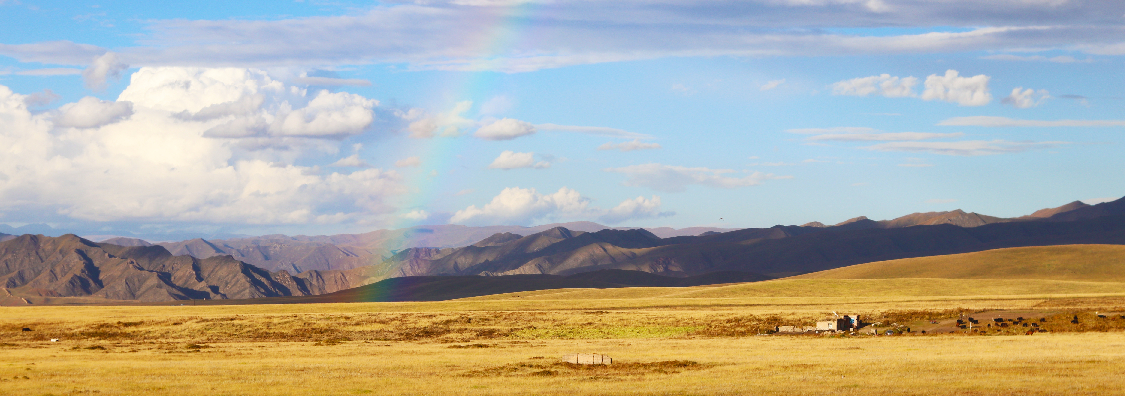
{"x": 701, "y": 340}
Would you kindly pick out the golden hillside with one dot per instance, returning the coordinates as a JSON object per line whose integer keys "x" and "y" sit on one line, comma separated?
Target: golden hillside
{"x": 1098, "y": 263}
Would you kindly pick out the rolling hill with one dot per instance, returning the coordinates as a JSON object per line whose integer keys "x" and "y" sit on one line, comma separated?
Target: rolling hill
{"x": 1098, "y": 263}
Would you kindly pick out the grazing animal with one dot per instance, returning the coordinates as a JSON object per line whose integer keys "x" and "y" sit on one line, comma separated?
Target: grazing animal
{"x": 26, "y": 329}
{"x": 54, "y": 340}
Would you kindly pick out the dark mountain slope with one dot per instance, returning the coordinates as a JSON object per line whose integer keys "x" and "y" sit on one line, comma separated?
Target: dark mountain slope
{"x": 438, "y": 288}
{"x": 1114, "y": 208}
{"x": 832, "y": 248}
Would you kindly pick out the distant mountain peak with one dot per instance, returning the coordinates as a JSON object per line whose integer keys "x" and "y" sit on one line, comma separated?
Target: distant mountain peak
{"x": 816, "y": 224}
{"x": 1048, "y": 212}
{"x": 851, "y": 220}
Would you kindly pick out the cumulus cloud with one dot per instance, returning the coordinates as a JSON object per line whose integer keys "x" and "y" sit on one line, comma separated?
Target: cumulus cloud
{"x": 409, "y": 162}
{"x": 416, "y": 215}
{"x": 670, "y": 178}
{"x": 351, "y": 161}
{"x": 968, "y": 148}
{"x": 514, "y": 160}
{"x": 635, "y": 144}
{"x": 771, "y": 85}
{"x": 424, "y": 125}
{"x": 1024, "y": 98}
{"x": 247, "y": 103}
{"x": 951, "y": 87}
{"x": 156, "y": 166}
{"x": 505, "y": 129}
{"x": 42, "y": 98}
{"x": 102, "y": 69}
{"x": 991, "y": 121}
{"x": 522, "y": 206}
{"x": 637, "y": 208}
{"x": 91, "y": 112}
{"x": 881, "y": 85}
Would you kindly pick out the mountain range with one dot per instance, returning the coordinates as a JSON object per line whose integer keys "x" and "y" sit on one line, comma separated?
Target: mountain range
{"x": 129, "y": 269}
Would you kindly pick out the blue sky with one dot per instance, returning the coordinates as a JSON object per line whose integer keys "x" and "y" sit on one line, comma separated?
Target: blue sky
{"x": 212, "y": 118}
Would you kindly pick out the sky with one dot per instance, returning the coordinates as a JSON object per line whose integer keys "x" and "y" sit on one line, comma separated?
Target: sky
{"x": 177, "y": 119}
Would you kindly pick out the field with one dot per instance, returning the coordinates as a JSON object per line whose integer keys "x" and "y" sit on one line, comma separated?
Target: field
{"x": 698, "y": 340}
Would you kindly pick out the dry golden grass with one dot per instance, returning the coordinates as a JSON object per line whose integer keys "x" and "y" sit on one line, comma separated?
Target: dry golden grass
{"x": 700, "y": 340}
{"x": 1097, "y": 263}
{"x": 1040, "y": 364}
{"x": 512, "y": 345}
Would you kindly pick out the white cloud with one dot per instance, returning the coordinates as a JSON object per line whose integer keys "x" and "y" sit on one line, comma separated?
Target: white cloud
{"x": 514, "y": 160}
{"x": 1037, "y": 58}
{"x": 1024, "y": 98}
{"x": 951, "y": 87}
{"x": 102, "y": 69}
{"x": 520, "y": 206}
{"x": 157, "y": 166}
{"x": 812, "y": 131}
{"x": 466, "y": 191}
{"x": 408, "y": 162}
{"x": 684, "y": 89}
{"x": 351, "y": 161}
{"x": 53, "y": 52}
{"x": 888, "y": 136}
{"x": 91, "y": 112}
{"x": 771, "y": 85}
{"x": 42, "y": 98}
{"x": 416, "y": 215}
{"x": 591, "y": 130}
{"x": 449, "y": 124}
{"x": 989, "y": 121}
{"x": 637, "y": 208}
{"x": 1095, "y": 201}
{"x": 331, "y": 82}
{"x": 247, "y": 103}
{"x": 966, "y": 148}
{"x": 965, "y": 91}
{"x": 56, "y": 71}
{"x": 635, "y": 144}
{"x": 882, "y": 85}
{"x": 670, "y": 178}
{"x": 505, "y": 129}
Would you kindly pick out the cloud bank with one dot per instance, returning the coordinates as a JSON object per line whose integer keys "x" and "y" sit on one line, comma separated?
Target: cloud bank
{"x": 201, "y": 146}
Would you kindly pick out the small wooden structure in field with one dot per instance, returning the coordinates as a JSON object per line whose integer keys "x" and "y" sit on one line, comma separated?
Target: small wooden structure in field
{"x": 588, "y": 358}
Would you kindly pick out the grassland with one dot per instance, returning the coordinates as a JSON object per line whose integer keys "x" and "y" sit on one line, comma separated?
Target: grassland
{"x": 698, "y": 340}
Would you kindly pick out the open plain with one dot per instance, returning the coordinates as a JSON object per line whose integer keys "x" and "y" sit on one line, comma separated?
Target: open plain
{"x": 694, "y": 340}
